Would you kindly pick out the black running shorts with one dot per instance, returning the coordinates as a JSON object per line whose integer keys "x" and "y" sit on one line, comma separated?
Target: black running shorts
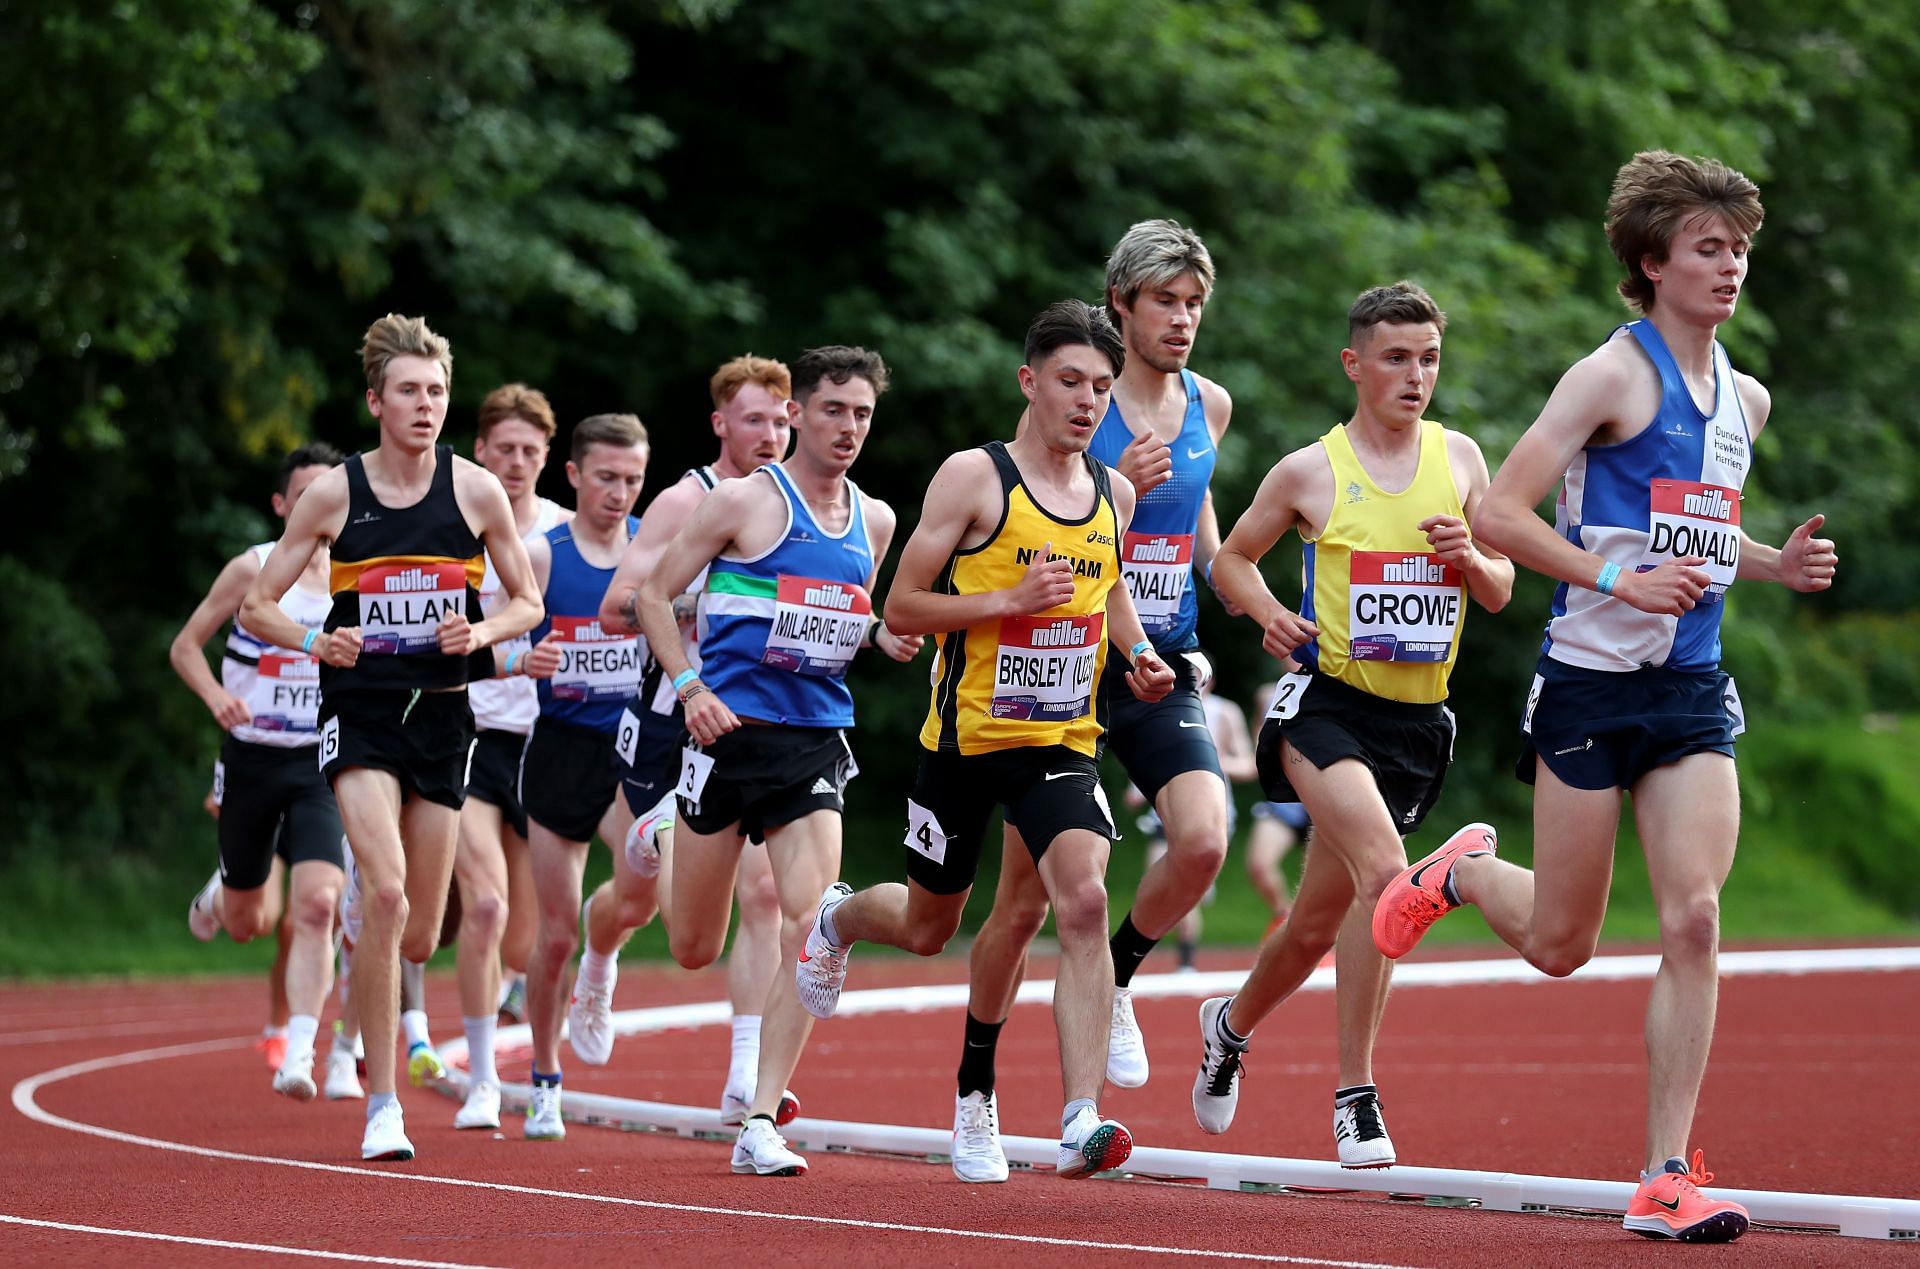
{"x": 1408, "y": 747}
{"x": 494, "y": 776}
{"x": 649, "y": 755}
{"x": 1604, "y": 729}
{"x": 422, "y": 739}
{"x": 762, "y": 776}
{"x": 1045, "y": 790}
{"x": 1157, "y": 742}
{"x": 569, "y": 776}
{"x": 272, "y": 799}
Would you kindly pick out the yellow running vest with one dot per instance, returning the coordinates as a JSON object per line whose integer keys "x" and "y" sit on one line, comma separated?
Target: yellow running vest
{"x": 1020, "y": 681}
{"x": 1389, "y": 612}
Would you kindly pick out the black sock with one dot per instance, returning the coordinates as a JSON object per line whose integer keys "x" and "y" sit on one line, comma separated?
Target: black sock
{"x": 976, "y": 1055}
{"x": 546, "y": 1081}
{"x": 751, "y": 1118}
{"x": 1130, "y": 947}
{"x": 1187, "y": 949}
{"x": 1233, "y": 1039}
{"x": 1344, "y": 1097}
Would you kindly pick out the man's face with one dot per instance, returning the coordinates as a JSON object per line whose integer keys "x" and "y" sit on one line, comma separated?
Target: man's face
{"x": 1068, "y": 392}
{"x": 1704, "y": 270}
{"x": 607, "y": 482}
{"x": 515, "y": 451}
{"x": 296, "y": 485}
{"x": 412, "y": 404}
{"x": 1160, "y": 324}
{"x": 1395, "y": 367}
{"x": 834, "y": 420}
{"x": 753, "y": 426}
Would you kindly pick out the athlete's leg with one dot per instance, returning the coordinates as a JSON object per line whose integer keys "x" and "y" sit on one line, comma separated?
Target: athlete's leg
{"x": 1268, "y": 841}
{"x": 480, "y": 870}
{"x": 634, "y": 898}
{"x": 1193, "y": 808}
{"x": 277, "y": 1009}
{"x": 1074, "y": 868}
{"x": 315, "y": 896}
{"x": 523, "y": 909}
{"x": 1361, "y": 980}
{"x": 429, "y": 831}
{"x": 704, "y": 868}
{"x": 805, "y": 855}
{"x": 998, "y": 961}
{"x": 559, "y": 867}
{"x": 370, "y": 808}
{"x": 1688, "y": 814}
{"x": 752, "y": 962}
{"x": 908, "y": 917}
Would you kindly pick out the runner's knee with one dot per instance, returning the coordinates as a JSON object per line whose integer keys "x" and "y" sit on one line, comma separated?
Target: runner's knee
{"x": 1199, "y": 853}
{"x": 313, "y": 909}
{"x": 694, "y": 949}
{"x": 483, "y": 918}
{"x": 1080, "y": 911}
{"x": 1690, "y": 928}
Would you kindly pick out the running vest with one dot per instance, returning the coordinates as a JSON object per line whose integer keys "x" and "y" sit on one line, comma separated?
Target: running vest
{"x": 782, "y": 627}
{"x": 507, "y": 704}
{"x": 281, "y": 686}
{"x": 598, "y": 671}
{"x": 1673, "y": 490}
{"x": 1156, "y": 553}
{"x": 1389, "y": 611}
{"x": 397, "y": 573}
{"x": 655, "y": 704}
{"x": 1014, "y": 682}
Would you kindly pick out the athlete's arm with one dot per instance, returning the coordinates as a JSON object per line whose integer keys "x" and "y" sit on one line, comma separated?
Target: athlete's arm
{"x": 485, "y": 505}
{"x": 1584, "y": 402}
{"x": 1489, "y": 574}
{"x": 1804, "y": 563}
{"x": 707, "y": 535}
{"x": 1149, "y": 677}
{"x": 1206, "y": 536}
{"x": 1233, "y": 743}
{"x": 188, "y": 653}
{"x": 1236, "y": 566}
{"x": 543, "y": 659}
{"x": 881, "y": 523}
{"x": 965, "y": 494}
{"x": 316, "y": 519}
{"x": 666, "y": 516}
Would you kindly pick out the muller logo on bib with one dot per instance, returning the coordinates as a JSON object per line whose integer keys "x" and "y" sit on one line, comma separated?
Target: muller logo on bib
{"x": 829, "y": 595}
{"x": 411, "y": 579}
{"x": 1712, "y": 503}
{"x": 402, "y": 605}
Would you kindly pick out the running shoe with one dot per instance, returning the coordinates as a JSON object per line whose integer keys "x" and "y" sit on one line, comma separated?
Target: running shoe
{"x": 821, "y": 970}
{"x": 1216, "y": 1089}
{"x": 1126, "y": 1047}
{"x": 1360, "y": 1134}
{"x": 273, "y": 1048}
{"x": 760, "y": 1150}
{"x": 643, "y": 839}
{"x": 1417, "y": 898}
{"x": 202, "y": 921}
{"x": 590, "y": 1021}
{"x": 513, "y": 1000}
{"x": 482, "y": 1107}
{"x": 386, "y": 1135}
{"x": 424, "y": 1066}
{"x": 295, "y": 1077}
{"x": 1669, "y": 1204}
{"x": 543, "y": 1114}
{"x": 977, "y": 1152}
{"x": 343, "y": 1083}
{"x": 1091, "y": 1145}
{"x": 736, "y": 1104}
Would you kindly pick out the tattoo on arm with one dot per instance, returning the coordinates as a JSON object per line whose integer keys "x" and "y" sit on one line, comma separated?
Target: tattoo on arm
{"x": 685, "y": 607}
{"x": 630, "y": 610}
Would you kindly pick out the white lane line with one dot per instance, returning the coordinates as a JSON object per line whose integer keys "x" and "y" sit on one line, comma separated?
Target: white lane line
{"x": 351, "y": 1257}
{"x": 24, "y": 1101}
{"x": 101, "y": 1031}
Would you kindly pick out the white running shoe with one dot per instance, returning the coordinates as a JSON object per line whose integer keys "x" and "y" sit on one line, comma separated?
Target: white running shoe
{"x": 1360, "y": 1134}
{"x": 762, "y": 1151}
{"x": 295, "y": 1077}
{"x": 1091, "y": 1145}
{"x": 202, "y": 920}
{"x": 643, "y": 839}
{"x": 543, "y": 1114}
{"x": 1216, "y": 1089}
{"x": 1126, "y": 1047}
{"x": 590, "y": 1022}
{"x": 386, "y": 1136}
{"x": 822, "y": 968}
{"x": 343, "y": 1083}
{"x": 737, "y": 1103}
{"x": 482, "y": 1108}
{"x": 350, "y": 909}
{"x": 977, "y": 1153}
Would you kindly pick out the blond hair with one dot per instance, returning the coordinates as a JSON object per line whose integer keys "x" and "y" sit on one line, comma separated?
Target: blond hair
{"x": 1656, "y": 194}
{"x": 1154, "y": 253}
{"x": 516, "y": 401}
{"x": 396, "y": 336}
{"x": 746, "y": 369}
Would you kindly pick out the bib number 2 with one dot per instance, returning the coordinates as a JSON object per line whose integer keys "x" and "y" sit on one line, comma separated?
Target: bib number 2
{"x": 1286, "y": 695}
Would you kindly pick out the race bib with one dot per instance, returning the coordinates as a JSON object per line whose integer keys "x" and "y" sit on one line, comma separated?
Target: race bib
{"x": 1533, "y": 700}
{"x": 219, "y": 784}
{"x": 1286, "y": 695}
{"x": 1689, "y": 518}
{"x": 329, "y": 745}
{"x": 594, "y": 665}
{"x": 626, "y": 741}
{"x": 817, "y": 626}
{"x": 1402, "y": 606}
{"x": 1158, "y": 567}
{"x": 286, "y": 692}
{"x": 1736, "y": 712}
{"x": 402, "y": 605}
{"x": 1043, "y": 669}
{"x": 924, "y": 835}
{"x": 695, "y": 767}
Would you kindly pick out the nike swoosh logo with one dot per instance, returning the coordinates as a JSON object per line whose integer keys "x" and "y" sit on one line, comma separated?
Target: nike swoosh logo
{"x": 804, "y": 958}
{"x": 1671, "y": 1207}
{"x": 1412, "y": 881}
{"x": 1199, "y": 453}
{"x": 1061, "y": 775}
{"x": 1185, "y": 723}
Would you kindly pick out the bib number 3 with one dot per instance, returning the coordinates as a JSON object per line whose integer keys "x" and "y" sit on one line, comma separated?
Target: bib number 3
{"x": 695, "y": 767}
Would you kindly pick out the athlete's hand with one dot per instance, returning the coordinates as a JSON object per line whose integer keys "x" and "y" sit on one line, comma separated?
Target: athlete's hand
{"x": 1048, "y": 584}
{"x": 210, "y": 804}
{"x": 340, "y": 648}
{"x": 458, "y": 637}
{"x": 1146, "y": 462}
{"x": 899, "y": 647}
{"x": 1808, "y": 563}
{"x": 708, "y": 717}
{"x": 1285, "y": 631}
{"x": 542, "y": 661}
{"x": 229, "y": 710}
{"x": 1150, "y": 678}
{"x": 1450, "y": 539}
{"x": 1667, "y": 591}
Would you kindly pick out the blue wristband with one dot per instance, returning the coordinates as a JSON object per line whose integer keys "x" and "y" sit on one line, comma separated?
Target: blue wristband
{"x": 511, "y": 658}
{"x": 1133, "y": 653}
{"x": 306, "y": 644}
{"x": 1609, "y": 574}
{"x": 683, "y": 678}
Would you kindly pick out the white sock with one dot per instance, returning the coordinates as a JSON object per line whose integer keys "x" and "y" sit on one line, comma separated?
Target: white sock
{"x": 480, "y": 1048}
{"x": 744, "y": 1070}
{"x": 272, "y": 1032}
{"x": 598, "y": 971}
{"x": 301, "y": 1028}
{"x": 414, "y": 1023}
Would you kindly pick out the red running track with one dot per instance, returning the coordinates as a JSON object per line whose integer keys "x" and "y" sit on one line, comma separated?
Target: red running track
{"x": 1808, "y": 1090}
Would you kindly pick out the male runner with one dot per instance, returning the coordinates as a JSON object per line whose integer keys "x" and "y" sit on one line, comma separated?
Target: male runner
{"x": 407, "y": 523}
{"x": 269, "y": 793}
{"x": 1650, "y": 438}
{"x": 1360, "y": 734}
{"x": 492, "y": 866}
{"x": 1012, "y": 567}
{"x": 753, "y": 408}
{"x": 570, "y": 771}
{"x": 790, "y": 554}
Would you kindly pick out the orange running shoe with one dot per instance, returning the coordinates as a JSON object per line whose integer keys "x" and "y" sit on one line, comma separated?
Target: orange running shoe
{"x": 1417, "y": 898}
{"x": 1670, "y": 1205}
{"x": 273, "y": 1048}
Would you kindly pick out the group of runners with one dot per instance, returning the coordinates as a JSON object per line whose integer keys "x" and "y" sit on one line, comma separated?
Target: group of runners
{"x": 468, "y": 683}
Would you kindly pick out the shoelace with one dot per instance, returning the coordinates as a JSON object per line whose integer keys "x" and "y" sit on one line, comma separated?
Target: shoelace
{"x": 976, "y": 1125}
{"x": 1366, "y": 1120}
{"x": 1220, "y": 1082}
